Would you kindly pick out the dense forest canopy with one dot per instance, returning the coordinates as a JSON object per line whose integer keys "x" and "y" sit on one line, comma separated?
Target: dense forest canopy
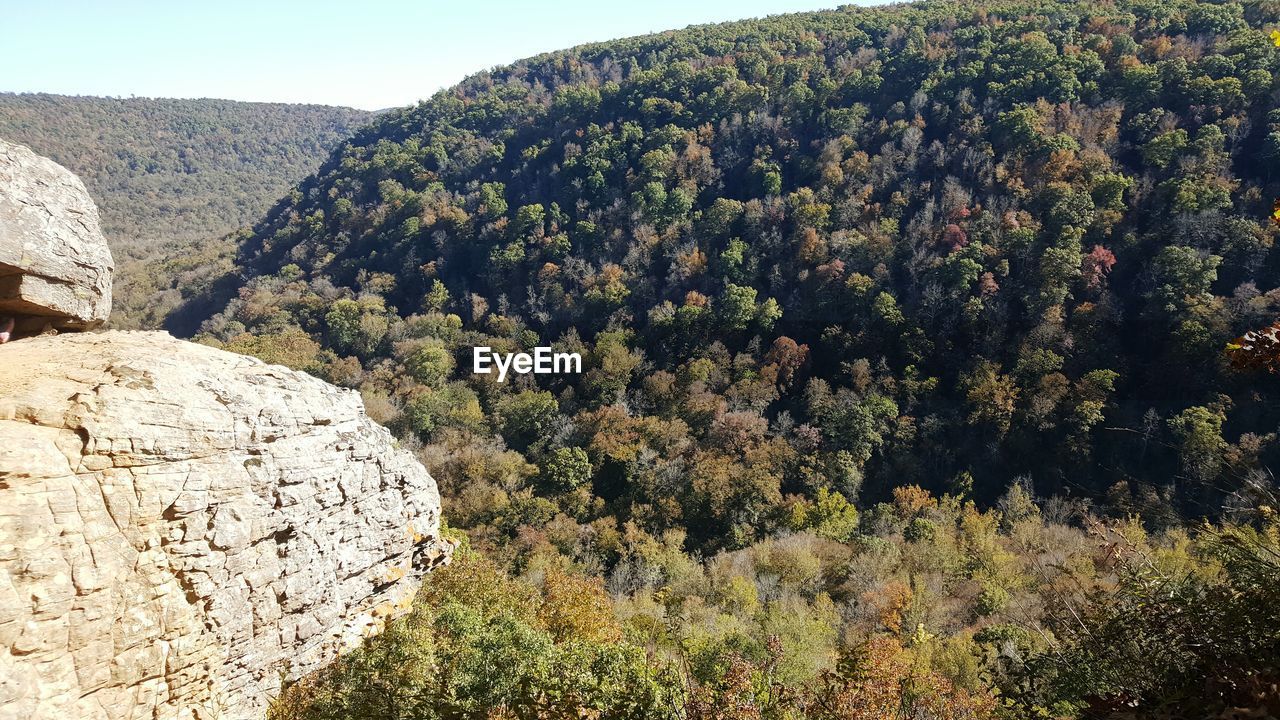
{"x": 927, "y": 244}
{"x": 853, "y": 288}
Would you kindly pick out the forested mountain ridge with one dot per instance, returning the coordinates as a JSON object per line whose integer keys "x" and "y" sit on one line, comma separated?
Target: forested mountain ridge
{"x": 852, "y": 289}
{"x": 173, "y": 176}
{"x": 939, "y": 242}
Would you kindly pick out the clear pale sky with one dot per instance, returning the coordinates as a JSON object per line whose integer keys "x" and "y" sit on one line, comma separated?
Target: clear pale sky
{"x": 371, "y": 55}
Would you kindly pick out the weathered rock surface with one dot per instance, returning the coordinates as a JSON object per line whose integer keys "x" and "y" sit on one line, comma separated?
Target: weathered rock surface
{"x": 55, "y": 267}
{"x": 178, "y": 523}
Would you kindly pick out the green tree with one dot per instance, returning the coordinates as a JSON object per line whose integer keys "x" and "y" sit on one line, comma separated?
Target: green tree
{"x": 566, "y": 468}
{"x": 431, "y": 364}
{"x": 528, "y": 418}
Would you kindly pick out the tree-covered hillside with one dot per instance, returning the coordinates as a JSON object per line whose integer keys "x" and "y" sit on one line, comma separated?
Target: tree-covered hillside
{"x": 172, "y": 176}
{"x": 164, "y": 170}
{"x": 928, "y": 244}
{"x": 833, "y": 276}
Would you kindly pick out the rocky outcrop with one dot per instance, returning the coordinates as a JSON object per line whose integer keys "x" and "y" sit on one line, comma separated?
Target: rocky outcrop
{"x": 55, "y": 267}
{"x": 179, "y": 524}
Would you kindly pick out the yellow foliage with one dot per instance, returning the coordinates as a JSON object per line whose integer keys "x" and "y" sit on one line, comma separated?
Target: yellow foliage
{"x": 577, "y": 608}
{"x": 912, "y": 500}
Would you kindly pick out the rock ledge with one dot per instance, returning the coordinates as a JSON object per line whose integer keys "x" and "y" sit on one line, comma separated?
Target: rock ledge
{"x": 178, "y": 523}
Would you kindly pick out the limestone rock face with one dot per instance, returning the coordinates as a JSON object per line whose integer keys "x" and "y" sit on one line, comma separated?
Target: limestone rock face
{"x": 55, "y": 267}
{"x": 178, "y": 524}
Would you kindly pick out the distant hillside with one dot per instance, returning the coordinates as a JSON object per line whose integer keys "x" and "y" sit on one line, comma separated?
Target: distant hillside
{"x": 164, "y": 169}
{"x": 169, "y": 173}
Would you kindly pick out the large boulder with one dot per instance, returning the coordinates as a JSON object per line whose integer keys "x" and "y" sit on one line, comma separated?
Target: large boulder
{"x": 181, "y": 525}
{"x": 55, "y": 267}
